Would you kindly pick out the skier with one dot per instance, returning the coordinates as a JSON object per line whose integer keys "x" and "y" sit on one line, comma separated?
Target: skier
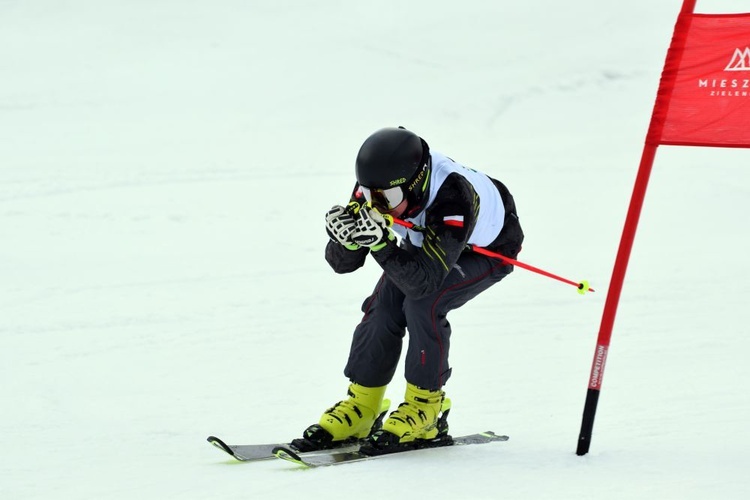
{"x": 429, "y": 273}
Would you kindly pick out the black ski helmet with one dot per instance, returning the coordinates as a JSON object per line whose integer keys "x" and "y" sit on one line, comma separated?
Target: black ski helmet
{"x": 393, "y": 157}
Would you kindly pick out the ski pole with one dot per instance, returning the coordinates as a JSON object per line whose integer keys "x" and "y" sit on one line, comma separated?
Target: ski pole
{"x": 582, "y": 286}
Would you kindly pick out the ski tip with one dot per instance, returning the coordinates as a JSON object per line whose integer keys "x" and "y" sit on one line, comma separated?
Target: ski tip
{"x": 285, "y": 453}
{"x": 219, "y": 444}
{"x": 495, "y": 437}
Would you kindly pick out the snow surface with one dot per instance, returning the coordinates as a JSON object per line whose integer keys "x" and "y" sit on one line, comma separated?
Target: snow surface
{"x": 164, "y": 170}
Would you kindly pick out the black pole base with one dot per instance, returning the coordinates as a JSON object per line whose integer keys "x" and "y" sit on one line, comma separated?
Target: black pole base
{"x": 587, "y": 423}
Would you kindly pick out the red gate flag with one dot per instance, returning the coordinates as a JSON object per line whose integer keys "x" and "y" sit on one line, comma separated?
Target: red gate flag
{"x": 703, "y": 100}
{"x": 704, "y": 95}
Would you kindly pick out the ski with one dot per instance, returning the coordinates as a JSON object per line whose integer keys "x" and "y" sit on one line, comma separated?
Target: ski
{"x": 338, "y": 457}
{"x": 245, "y": 453}
{"x": 256, "y": 452}
{"x": 312, "y": 446}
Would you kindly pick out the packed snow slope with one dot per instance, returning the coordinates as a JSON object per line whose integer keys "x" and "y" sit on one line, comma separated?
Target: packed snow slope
{"x": 164, "y": 171}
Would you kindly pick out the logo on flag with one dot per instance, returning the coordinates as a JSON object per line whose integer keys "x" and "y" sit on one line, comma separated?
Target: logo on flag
{"x": 719, "y": 86}
{"x": 740, "y": 60}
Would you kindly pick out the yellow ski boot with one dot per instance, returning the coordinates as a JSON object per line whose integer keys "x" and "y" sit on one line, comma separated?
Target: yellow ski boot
{"x": 419, "y": 422}
{"x": 347, "y": 421}
{"x": 417, "y": 416}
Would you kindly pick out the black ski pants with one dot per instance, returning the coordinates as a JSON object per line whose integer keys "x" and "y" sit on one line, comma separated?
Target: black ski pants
{"x": 388, "y": 313}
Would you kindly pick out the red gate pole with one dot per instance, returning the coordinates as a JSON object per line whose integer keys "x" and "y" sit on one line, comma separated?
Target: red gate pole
{"x": 613, "y": 298}
{"x": 628, "y": 234}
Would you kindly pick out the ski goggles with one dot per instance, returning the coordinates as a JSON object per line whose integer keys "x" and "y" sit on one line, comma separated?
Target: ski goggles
{"x": 386, "y": 199}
